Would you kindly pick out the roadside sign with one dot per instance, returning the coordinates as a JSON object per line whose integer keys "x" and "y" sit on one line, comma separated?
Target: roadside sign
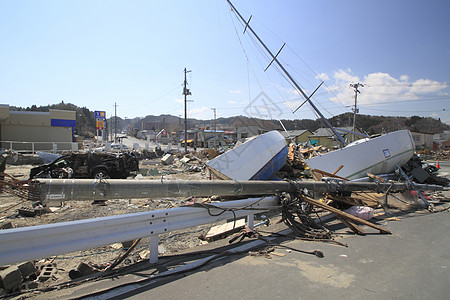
{"x": 100, "y": 124}
{"x": 101, "y": 115}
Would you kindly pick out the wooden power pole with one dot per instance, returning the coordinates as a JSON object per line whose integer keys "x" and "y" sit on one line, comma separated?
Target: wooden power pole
{"x": 115, "y": 122}
{"x": 186, "y": 92}
{"x": 355, "y": 110}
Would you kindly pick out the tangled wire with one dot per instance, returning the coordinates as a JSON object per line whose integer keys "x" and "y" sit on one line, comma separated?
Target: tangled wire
{"x": 20, "y": 188}
{"x": 295, "y": 216}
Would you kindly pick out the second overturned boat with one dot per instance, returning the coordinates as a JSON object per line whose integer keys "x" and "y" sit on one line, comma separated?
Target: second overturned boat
{"x": 378, "y": 155}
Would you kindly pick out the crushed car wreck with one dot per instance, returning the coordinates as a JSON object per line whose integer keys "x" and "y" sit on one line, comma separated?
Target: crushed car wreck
{"x": 89, "y": 165}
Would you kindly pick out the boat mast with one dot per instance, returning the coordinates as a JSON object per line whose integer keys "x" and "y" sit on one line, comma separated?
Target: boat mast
{"x": 294, "y": 83}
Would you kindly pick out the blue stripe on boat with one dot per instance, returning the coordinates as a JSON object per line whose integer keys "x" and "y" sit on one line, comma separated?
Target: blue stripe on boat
{"x": 275, "y": 164}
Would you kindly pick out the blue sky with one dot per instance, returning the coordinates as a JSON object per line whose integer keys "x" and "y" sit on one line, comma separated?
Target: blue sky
{"x": 96, "y": 53}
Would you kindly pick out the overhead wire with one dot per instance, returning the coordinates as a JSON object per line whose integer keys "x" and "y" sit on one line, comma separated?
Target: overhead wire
{"x": 411, "y": 111}
{"x": 168, "y": 91}
{"x": 258, "y": 47}
{"x": 263, "y": 52}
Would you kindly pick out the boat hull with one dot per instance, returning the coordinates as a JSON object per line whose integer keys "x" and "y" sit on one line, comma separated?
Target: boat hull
{"x": 377, "y": 156}
{"x": 257, "y": 159}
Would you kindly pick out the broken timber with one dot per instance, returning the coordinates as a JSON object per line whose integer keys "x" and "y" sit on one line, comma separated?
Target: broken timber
{"x": 352, "y": 226}
{"x": 104, "y": 189}
{"x": 343, "y": 214}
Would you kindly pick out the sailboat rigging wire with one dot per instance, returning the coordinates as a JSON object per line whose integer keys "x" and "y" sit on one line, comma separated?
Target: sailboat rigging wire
{"x": 326, "y": 86}
{"x": 261, "y": 51}
{"x": 293, "y": 68}
{"x": 276, "y": 68}
{"x": 291, "y": 79}
{"x": 246, "y": 57}
{"x": 249, "y": 63}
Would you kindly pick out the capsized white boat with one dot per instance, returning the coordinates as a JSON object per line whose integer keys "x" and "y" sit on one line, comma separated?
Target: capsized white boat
{"x": 256, "y": 159}
{"x": 379, "y": 155}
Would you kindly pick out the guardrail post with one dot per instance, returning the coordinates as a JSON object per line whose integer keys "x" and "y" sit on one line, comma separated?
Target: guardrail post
{"x": 32, "y": 148}
{"x": 154, "y": 240}
{"x": 250, "y": 221}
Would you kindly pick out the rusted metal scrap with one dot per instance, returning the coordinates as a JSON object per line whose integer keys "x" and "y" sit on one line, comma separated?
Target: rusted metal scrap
{"x": 20, "y": 188}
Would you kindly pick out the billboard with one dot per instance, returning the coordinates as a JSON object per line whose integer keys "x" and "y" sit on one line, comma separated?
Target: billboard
{"x": 101, "y": 115}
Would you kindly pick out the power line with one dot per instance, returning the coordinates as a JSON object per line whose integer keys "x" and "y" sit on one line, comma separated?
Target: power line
{"x": 412, "y": 111}
{"x": 409, "y": 84}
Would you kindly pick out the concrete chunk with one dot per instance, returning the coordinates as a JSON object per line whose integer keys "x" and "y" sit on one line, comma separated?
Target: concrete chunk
{"x": 10, "y": 279}
{"x": 27, "y": 269}
{"x": 185, "y": 159}
{"x": 167, "y": 159}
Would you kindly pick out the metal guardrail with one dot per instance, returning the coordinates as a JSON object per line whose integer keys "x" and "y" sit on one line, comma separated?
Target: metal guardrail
{"x": 23, "y": 244}
{"x": 33, "y": 147}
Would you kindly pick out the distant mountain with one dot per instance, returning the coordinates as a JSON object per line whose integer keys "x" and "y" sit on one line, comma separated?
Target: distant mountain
{"x": 369, "y": 124}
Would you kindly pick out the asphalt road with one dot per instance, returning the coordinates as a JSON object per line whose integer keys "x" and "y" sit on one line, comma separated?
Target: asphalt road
{"x": 412, "y": 263}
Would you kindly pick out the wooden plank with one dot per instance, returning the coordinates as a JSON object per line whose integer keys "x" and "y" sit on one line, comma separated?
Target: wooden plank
{"x": 338, "y": 169}
{"x": 375, "y": 177}
{"x": 229, "y": 227}
{"x": 344, "y": 214}
{"x": 353, "y": 227}
{"x": 329, "y": 174}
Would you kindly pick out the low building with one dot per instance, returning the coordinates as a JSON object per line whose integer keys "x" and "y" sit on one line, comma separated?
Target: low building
{"x": 245, "y": 132}
{"x": 34, "y": 131}
{"x": 296, "y": 136}
{"x": 441, "y": 141}
{"x": 211, "y": 138}
{"x": 230, "y": 137}
{"x": 422, "y": 141}
{"x": 325, "y": 137}
{"x": 445, "y": 145}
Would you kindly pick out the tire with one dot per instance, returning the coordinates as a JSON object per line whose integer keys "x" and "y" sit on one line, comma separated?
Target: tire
{"x": 101, "y": 174}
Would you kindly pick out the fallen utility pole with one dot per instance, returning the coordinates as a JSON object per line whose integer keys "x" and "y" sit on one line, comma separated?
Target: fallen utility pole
{"x": 101, "y": 189}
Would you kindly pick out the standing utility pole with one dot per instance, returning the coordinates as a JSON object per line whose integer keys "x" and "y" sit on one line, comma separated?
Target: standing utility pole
{"x": 186, "y": 92}
{"x": 115, "y": 122}
{"x": 215, "y": 127}
{"x": 355, "y": 110}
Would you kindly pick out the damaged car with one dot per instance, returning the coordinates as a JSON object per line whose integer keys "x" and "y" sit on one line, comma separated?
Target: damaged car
{"x": 89, "y": 165}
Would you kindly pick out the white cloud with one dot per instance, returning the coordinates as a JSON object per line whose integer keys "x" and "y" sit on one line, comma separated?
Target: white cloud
{"x": 235, "y": 92}
{"x": 380, "y": 87}
{"x": 323, "y": 76}
{"x": 293, "y": 104}
{"x": 423, "y": 86}
{"x": 345, "y": 76}
{"x": 195, "y": 112}
{"x": 404, "y": 78}
{"x": 177, "y": 100}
